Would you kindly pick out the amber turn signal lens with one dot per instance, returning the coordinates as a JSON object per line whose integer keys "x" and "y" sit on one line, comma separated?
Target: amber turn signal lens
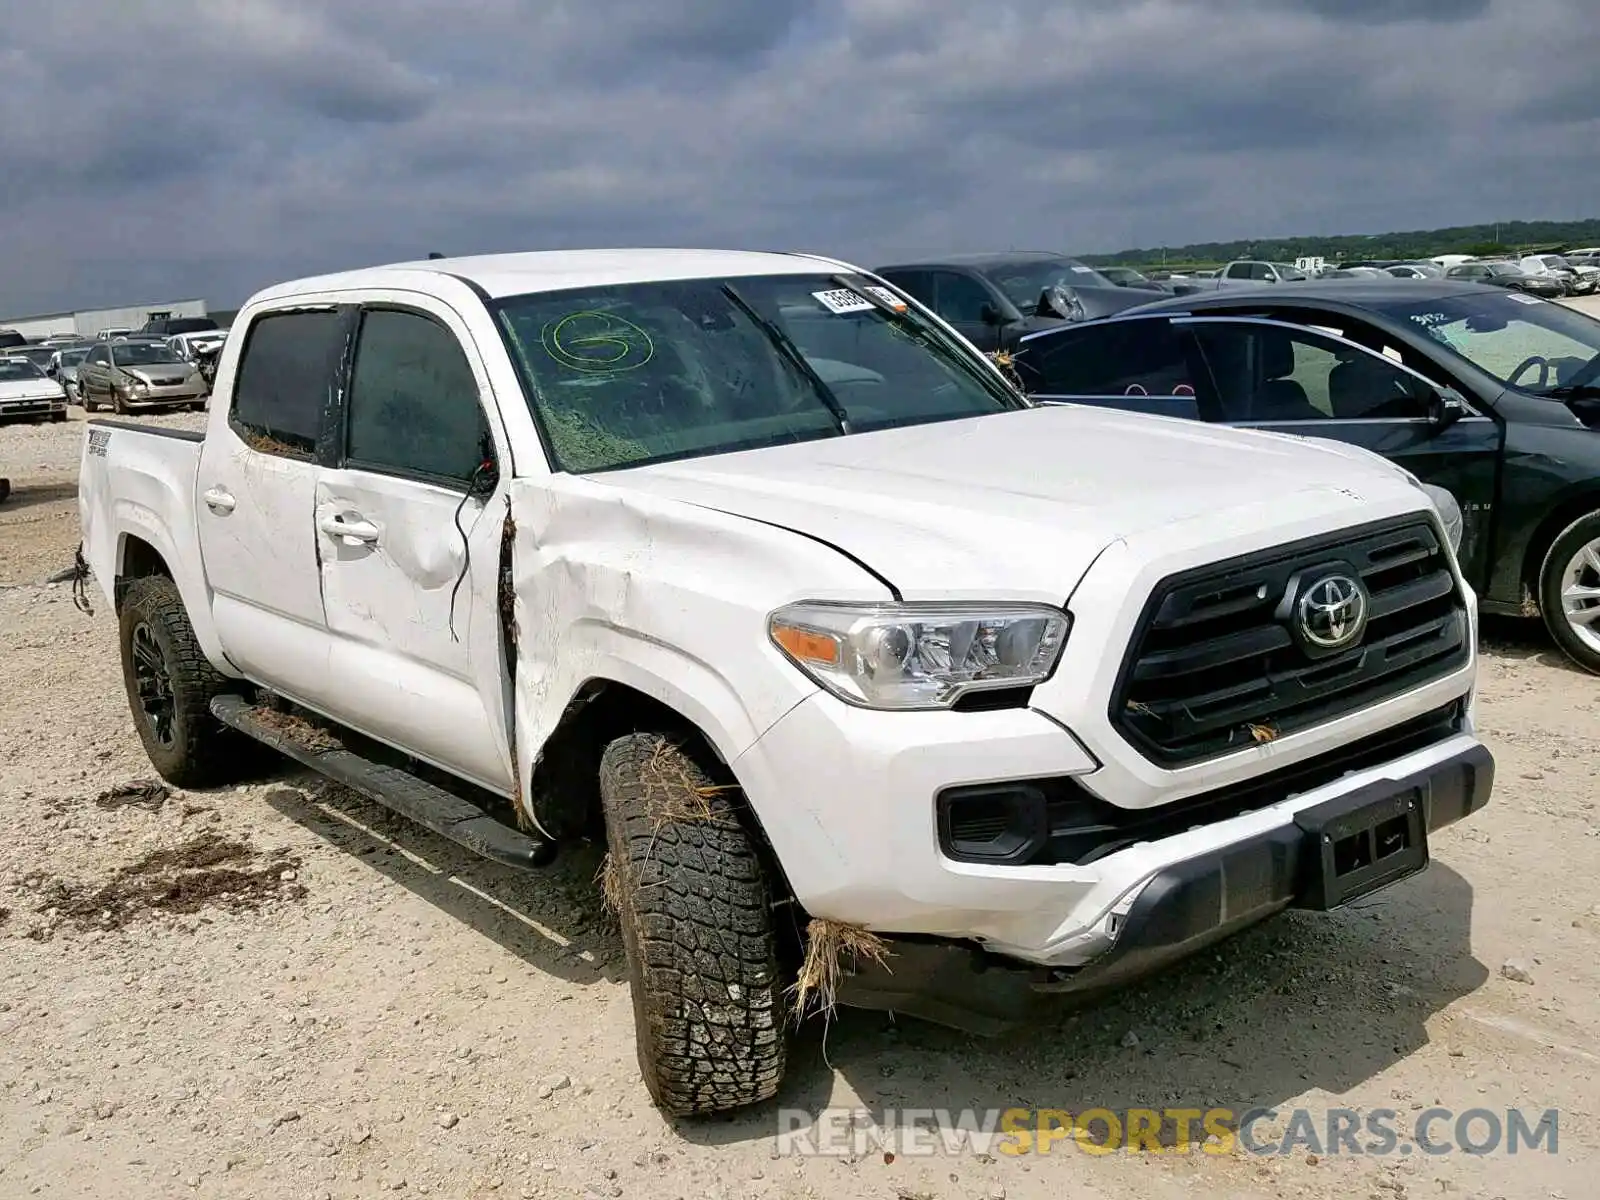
{"x": 806, "y": 645}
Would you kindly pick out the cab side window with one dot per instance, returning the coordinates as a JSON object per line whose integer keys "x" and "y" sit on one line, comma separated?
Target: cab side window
{"x": 919, "y": 284}
{"x": 286, "y": 379}
{"x": 961, "y": 299}
{"x": 414, "y": 405}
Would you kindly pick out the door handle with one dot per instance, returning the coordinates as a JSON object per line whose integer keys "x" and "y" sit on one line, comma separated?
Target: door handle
{"x": 219, "y": 500}
{"x": 358, "y": 532}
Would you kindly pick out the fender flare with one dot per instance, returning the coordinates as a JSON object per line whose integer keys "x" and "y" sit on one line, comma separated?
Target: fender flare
{"x": 133, "y": 520}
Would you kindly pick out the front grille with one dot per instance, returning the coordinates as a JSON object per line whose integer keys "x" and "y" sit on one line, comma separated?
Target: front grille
{"x": 1218, "y": 660}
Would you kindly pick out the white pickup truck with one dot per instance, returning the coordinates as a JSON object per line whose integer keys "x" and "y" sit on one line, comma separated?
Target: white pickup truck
{"x": 749, "y": 566}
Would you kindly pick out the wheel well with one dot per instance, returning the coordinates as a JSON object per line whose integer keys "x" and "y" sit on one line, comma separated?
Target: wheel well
{"x": 139, "y": 561}
{"x": 1549, "y": 529}
{"x": 565, "y": 788}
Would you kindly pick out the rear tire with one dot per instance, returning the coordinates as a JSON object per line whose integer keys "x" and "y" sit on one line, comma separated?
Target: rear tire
{"x": 693, "y": 901}
{"x": 170, "y": 686}
{"x": 1569, "y": 591}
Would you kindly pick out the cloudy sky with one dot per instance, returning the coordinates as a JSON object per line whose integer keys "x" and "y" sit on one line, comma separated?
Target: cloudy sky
{"x": 157, "y": 149}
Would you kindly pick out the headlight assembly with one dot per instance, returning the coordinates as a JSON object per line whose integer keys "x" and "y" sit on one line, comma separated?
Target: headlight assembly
{"x": 1445, "y": 503}
{"x": 920, "y": 655}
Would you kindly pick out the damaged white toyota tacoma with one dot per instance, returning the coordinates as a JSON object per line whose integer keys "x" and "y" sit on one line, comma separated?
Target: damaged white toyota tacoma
{"x": 881, "y": 686}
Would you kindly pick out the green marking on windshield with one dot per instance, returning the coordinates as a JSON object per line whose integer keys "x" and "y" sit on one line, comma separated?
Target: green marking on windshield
{"x": 597, "y": 342}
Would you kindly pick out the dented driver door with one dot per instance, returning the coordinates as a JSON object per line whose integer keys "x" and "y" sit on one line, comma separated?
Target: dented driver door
{"x": 408, "y": 528}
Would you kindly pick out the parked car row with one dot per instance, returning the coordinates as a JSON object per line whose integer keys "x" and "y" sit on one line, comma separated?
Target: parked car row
{"x": 168, "y": 363}
{"x": 1575, "y": 274}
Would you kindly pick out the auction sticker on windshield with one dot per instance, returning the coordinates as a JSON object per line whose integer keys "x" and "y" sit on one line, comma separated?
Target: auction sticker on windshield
{"x": 843, "y": 300}
{"x": 888, "y": 298}
{"x": 1525, "y": 299}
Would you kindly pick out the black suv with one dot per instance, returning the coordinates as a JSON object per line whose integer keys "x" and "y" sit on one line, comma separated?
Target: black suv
{"x": 165, "y": 327}
{"x": 994, "y": 300}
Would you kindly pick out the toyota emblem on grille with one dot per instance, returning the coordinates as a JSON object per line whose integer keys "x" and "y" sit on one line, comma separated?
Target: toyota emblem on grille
{"x": 1332, "y": 612}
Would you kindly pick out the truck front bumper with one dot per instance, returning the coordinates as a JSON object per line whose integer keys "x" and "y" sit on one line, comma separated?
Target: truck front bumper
{"x": 1184, "y": 907}
{"x": 848, "y": 798}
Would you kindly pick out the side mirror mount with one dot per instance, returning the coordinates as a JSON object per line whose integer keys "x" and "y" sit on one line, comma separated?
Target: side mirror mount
{"x": 487, "y": 477}
{"x": 1446, "y": 408}
{"x": 990, "y": 315}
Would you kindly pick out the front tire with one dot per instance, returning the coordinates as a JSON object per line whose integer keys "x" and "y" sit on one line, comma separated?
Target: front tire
{"x": 170, "y": 686}
{"x": 1569, "y": 591}
{"x": 693, "y": 900}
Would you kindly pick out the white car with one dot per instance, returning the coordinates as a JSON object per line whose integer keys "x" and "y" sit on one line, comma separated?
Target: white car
{"x": 1579, "y": 280}
{"x": 753, "y": 568}
{"x": 187, "y": 344}
{"x": 27, "y": 392}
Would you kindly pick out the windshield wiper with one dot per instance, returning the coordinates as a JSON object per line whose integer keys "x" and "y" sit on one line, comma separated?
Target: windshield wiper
{"x": 786, "y": 347}
{"x": 1583, "y": 381}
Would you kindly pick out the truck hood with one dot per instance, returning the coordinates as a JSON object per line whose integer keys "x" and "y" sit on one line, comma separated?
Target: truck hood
{"x": 1019, "y": 505}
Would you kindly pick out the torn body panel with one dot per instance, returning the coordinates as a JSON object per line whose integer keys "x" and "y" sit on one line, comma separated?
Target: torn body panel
{"x": 663, "y": 597}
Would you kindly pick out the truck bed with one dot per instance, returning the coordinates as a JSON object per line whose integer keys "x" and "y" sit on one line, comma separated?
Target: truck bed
{"x": 136, "y": 483}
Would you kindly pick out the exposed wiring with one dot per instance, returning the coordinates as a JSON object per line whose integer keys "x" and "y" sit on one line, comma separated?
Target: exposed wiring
{"x": 484, "y": 470}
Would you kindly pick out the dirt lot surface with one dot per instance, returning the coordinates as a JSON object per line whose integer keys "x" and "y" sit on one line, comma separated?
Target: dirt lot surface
{"x": 277, "y": 990}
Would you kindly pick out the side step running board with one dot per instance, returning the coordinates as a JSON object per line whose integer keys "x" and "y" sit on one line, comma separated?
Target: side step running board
{"x": 446, "y": 814}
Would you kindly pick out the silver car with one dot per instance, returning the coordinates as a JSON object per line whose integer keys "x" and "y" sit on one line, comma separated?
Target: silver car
{"x": 143, "y": 372}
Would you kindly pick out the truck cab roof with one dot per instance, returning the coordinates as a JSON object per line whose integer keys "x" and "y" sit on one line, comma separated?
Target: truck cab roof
{"x": 499, "y": 275}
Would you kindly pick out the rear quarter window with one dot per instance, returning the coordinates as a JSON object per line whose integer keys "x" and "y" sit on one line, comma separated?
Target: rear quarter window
{"x": 285, "y": 380}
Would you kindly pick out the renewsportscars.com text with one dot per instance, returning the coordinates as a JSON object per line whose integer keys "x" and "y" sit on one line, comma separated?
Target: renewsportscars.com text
{"x": 1380, "y": 1132}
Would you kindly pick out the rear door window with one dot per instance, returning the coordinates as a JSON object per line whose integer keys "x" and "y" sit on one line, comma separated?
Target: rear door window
{"x": 285, "y": 380}
{"x": 1132, "y": 364}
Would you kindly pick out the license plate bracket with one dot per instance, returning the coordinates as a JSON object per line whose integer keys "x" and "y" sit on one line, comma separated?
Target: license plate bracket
{"x": 1362, "y": 842}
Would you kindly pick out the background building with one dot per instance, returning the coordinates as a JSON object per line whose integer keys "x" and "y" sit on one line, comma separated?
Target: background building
{"x": 91, "y": 321}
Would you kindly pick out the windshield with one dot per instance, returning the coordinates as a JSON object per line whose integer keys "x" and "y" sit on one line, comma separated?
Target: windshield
{"x": 141, "y": 354}
{"x": 1508, "y": 335}
{"x": 71, "y": 358}
{"x": 635, "y": 373}
{"x": 13, "y": 370}
{"x": 38, "y": 355}
{"x": 1498, "y": 268}
{"x": 1025, "y": 280}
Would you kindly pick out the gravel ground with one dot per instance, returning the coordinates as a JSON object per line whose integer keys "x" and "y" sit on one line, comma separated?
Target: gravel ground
{"x": 280, "y": 990}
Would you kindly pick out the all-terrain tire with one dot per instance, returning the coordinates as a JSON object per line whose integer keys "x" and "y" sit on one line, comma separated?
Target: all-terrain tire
{"x": 1567, "y": 547}
{"x": 695, "y": 907}
{"x": 189, "y": 747}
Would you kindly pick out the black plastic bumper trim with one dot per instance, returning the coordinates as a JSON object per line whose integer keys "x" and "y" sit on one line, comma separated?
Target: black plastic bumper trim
{"x": 1184, "y": 908}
